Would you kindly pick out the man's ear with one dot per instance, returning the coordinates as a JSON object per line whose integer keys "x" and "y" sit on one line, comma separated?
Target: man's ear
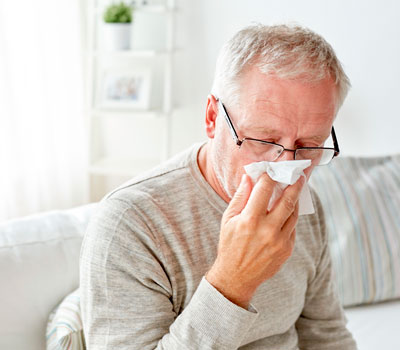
{"x": 211, "y": 116}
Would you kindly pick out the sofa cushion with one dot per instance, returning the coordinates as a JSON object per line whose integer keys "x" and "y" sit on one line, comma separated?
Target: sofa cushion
{"x": 361, "y": 200}
{"x": 39, "y": 266}
{"x": 375, "y": 326}
{"x": 64, "y": 328}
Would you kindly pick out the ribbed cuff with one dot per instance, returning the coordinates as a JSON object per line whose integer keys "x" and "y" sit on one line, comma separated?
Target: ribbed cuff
{"x": 218, "y": 319}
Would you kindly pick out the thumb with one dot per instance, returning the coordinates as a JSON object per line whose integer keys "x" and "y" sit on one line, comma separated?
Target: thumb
{"x": 240, "y": 198}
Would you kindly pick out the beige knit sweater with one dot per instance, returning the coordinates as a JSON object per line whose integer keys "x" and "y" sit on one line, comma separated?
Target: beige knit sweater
{"x": 144, "y": 256}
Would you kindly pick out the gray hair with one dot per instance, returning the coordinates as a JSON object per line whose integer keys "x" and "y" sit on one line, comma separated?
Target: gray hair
{"x": 289, "y": 51}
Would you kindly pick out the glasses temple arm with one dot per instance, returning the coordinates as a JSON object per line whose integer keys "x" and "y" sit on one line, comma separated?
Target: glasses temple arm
{"x": 335, "y": 143}
{"x": 228, "y": 120}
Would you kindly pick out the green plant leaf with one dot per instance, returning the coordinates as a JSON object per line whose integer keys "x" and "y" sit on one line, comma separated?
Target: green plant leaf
{"x": 118, "y": 13}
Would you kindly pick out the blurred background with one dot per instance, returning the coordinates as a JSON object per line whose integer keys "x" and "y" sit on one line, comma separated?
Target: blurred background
{"x": 93, "y": 92}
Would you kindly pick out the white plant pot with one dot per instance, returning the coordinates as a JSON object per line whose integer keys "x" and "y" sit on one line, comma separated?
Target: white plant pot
{"x": 117, "y": 36}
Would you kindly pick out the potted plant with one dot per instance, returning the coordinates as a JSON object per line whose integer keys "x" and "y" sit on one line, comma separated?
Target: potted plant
{"x": 117, "y": 26}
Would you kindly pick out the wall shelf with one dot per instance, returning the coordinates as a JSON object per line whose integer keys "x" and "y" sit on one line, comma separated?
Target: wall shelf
{"x": 112, "y": 132}
{"x": 150, "y": 114}
{"x": 128, "y": 53}
{"x": 146, "y": 8}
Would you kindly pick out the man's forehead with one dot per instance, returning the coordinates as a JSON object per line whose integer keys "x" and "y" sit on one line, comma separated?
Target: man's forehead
{"x": 266, "y": 122}
{"x": 265, "y": 114}
{"x": 260, "y": 88}
{"x": 315, "y": 134}
{"x": 272, "y": 105}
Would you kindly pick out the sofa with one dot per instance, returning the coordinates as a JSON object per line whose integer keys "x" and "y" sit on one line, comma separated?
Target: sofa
{"x": 39, "y": 259}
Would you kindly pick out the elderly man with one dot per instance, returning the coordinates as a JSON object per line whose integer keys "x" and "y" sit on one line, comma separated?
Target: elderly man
{"x": 188, "y": 256}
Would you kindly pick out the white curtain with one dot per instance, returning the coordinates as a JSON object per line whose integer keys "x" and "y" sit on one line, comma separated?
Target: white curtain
{"x": 43, "y": 148}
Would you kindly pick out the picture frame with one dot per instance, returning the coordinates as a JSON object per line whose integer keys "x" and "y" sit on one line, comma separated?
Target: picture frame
{"x": 125, "y": 89}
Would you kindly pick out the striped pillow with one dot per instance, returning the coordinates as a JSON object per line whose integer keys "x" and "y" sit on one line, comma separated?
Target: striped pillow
{"x": 361, "y": 200}
{"x": 64, "y": 328}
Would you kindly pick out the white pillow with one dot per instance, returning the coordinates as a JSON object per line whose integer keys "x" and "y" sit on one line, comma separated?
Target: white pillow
{"x": 39, "y": 266}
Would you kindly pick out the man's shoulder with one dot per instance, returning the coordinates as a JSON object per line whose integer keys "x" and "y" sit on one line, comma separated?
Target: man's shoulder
{"x": 161, "y": 180}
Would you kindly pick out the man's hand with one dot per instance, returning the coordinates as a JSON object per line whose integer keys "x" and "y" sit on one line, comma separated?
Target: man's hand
{"x": 254, "y": 243}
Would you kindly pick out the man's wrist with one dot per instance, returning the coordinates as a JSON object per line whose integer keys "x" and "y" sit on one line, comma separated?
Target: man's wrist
{"x": 229, "y": 290}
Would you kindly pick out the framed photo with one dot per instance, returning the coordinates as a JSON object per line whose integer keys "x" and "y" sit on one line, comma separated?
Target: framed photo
{"x": 125, "y": 89}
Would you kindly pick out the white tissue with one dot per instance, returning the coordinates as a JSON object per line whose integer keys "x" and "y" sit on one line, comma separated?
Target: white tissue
{"x": 285, "y": 173}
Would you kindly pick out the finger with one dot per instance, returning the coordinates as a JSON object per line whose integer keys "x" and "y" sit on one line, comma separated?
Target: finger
{"x": 260, "y": 196}
{"x": 239, "y": 200}
{"x": 291, "y": 222}
{"x": 292, "y": 239}
{"x": 287, "y": 203}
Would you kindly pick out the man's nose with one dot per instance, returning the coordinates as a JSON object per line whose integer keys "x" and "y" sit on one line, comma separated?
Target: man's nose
{"x": 286, "y": 155}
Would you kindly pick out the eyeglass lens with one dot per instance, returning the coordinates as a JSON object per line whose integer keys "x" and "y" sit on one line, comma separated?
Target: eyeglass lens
{"x": 259, "y": 151}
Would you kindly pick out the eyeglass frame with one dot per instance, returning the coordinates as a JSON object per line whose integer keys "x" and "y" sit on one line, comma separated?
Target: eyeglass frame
{"x": 239, "y": 142}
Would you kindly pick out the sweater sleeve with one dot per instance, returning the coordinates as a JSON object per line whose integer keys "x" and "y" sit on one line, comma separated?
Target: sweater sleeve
{"x": 322, "y": 323}
{"x": 126, "y": 294}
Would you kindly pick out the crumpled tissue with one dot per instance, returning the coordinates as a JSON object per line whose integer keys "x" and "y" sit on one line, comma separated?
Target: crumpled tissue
{"x": 285, "y": 173}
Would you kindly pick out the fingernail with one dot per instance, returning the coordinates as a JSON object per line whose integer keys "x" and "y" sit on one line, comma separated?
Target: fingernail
{"x": 242, "y": 181}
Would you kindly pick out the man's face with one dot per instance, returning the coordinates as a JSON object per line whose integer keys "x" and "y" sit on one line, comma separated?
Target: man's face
{"x": 290, "y": 113}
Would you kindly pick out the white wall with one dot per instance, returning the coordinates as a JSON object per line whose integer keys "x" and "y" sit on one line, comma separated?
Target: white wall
{"x": 364, "y": 33}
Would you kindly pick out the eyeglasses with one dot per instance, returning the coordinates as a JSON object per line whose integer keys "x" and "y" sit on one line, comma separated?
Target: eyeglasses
{"x": 270, "y": 151}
